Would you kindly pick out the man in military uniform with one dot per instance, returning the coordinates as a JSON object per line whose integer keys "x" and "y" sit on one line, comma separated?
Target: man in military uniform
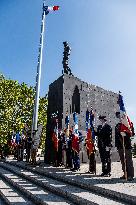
{"x": 28, "y": 146}
{"x": 104, "y": 133}
{"x": 125, "y": 152}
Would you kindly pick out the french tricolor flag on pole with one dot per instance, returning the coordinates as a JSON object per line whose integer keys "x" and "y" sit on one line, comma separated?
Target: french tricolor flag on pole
{"x": 47, "y": 9}
{"x": 75, "y": 118}
{"x": 126, "y": 123}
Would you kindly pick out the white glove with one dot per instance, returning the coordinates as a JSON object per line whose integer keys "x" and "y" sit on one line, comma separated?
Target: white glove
{"x": 123, "y": 134}
{"x": 108, "y": 149}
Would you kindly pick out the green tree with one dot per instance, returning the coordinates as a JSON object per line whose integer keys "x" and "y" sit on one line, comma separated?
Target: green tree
{"x": 42, "y": 119}
{"x": 16, "y": 108}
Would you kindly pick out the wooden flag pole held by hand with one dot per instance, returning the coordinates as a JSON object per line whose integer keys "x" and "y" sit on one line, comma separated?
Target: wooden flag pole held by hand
{"x": 125, "y": 165}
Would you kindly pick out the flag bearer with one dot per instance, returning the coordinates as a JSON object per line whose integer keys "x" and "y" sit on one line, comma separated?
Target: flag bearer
{"x": 89, "y": 143}
{"x": 123, "y": 131}
{"x": 90, "y": 139}
{"x": 69, "y": 138}
{"x": 76, "y": 149}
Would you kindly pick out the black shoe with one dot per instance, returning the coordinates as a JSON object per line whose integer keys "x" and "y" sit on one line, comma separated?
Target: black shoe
{"x": 91, "y": 172}
{"x": 73, "y": 169}
{"x": 130, "y": 179}
{"x": 105, "y": 175}
{"x": 123, "y": 177}
{"x": 102, "y": 175}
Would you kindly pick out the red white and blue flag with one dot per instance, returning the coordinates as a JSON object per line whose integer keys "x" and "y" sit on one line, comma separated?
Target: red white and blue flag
{"x": 75, "y": 118}
{"x": 126, "y": 124}
{"x": 87, "y": 120}
{"x": 67, "y": 120}
{"x": 47, "y": 9}
{"x": 91, "y": 124}
{"x": 75, "y": 139}
{"x": 90, "y": 135}
{"x": 67, "y": 123}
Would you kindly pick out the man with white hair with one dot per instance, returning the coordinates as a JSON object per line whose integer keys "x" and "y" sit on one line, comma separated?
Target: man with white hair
{"x": 123, "y": 144}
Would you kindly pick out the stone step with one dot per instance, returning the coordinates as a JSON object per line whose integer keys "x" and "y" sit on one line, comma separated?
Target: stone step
{"x": 72, "y": 180}
{"x": 74, "y": 193}
{"x": 31, "y": 191}
{"x": 10, "y": 195}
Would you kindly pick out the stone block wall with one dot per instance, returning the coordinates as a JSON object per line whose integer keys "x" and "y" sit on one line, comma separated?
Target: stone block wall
{"x": 69, "y": 93}
{"x": 102, "y": 101}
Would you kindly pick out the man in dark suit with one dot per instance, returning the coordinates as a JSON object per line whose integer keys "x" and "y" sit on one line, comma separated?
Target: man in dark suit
{"x": 104, "y": 133}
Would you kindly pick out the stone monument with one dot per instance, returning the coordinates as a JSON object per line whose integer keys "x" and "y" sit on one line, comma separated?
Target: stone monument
{"x": 70, "y": 94}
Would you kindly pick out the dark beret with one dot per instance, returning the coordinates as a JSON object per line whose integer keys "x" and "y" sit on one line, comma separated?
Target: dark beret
{"x": 117, "y": 114}
{"x": 102, "y": 117}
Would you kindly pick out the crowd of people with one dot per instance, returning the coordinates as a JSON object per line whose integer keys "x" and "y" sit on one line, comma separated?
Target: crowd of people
{"x": 66, "y": 144}
{"x": 67, "y": 147}
{"x": 18, "y": 144}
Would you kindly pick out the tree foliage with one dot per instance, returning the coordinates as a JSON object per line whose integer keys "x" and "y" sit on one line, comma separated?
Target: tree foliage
{"x": 16, "y": 108}
{"x": 42, "y": 119}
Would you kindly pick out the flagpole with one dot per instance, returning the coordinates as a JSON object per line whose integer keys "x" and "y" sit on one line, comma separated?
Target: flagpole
{"x": 125, "y": 165}
{"x": 122, "y": 108}
{"x": 38, "y": 76}
{"x": 93, "y": 136}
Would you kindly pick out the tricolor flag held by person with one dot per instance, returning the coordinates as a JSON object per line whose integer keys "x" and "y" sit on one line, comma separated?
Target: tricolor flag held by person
{"x": 126, "y": 125}
{"x": 55, "y": 140}
{"x": 90, "y": 136}
{"x": 87, "y": 120}
{"x": 89, "y": 142}
{"x": 75, "y": 138}
{"x": 67, "y": 124}
{"x": 55, "y": 136}
{"x": 47, "y": 9}
{"x": 67, "y": 120}
{"x": 75, "y": 118}
{"x": 91, "y": 123}
{"x": 75, "y": 143}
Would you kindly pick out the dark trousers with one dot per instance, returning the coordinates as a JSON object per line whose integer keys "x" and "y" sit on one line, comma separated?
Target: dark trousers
{"x": 28, "y": 152}
{"x": 69, "y": 158}
{"x": 106, "y": 161}
{"x": 92, "y": 162}
{"x": 76, "y": 160}
{"x": 129, "y": 161}
{"x": 55, "y": 158}
{"x": 59, "y": 158}
{"x": 19, "y": 153}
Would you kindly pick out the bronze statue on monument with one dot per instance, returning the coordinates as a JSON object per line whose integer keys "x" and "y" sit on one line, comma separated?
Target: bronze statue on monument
{"x": 66, "y": 53}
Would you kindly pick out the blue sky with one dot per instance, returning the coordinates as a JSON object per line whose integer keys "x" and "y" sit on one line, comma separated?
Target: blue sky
{"x": 101, "y": 33}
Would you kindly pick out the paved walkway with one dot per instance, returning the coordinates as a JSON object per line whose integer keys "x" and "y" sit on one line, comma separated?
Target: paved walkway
{"x": 112, "y": 183}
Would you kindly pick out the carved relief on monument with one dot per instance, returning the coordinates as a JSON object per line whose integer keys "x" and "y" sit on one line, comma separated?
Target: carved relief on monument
{"x": 76, "y": 100}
